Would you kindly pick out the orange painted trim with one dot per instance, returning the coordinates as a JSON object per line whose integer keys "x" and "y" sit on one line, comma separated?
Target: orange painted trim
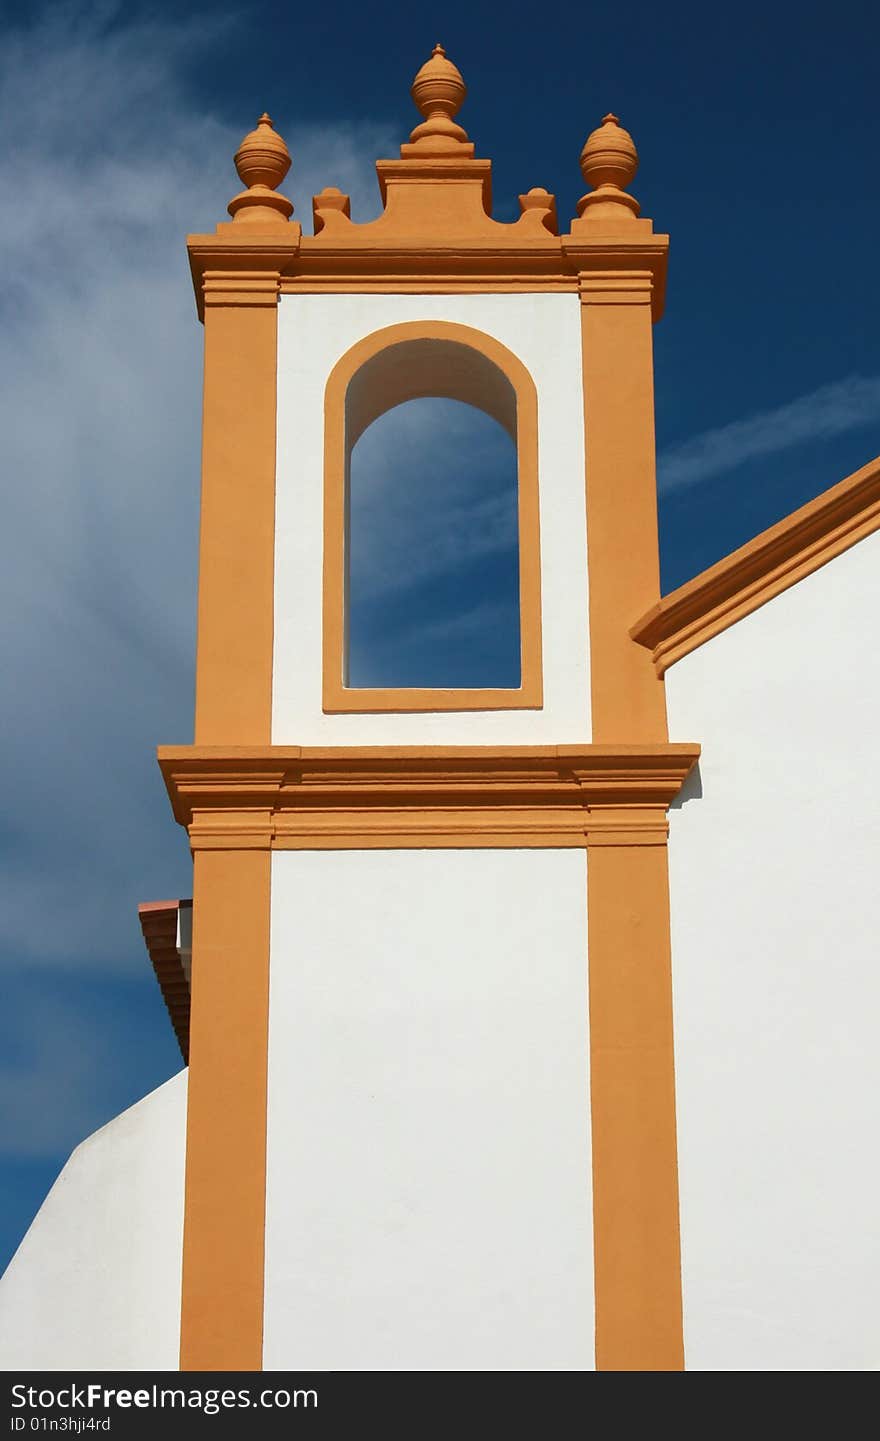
{"x": 632, "y": 1086}
{"x": 627, "y": 699}
{"x": 505, "y": 390}
{"x": 405, "y": 250}
{"x": 159, "y": 927}
{"x": 394, "y": 283}
{"x": 762, "y": 569}
{"x": 310, "y": 797}
{"x": 230, "y": 260}
{"x": 225, "y": 1188}
{"x": 237, "y": 276}
{"x": 636, "y": 1236}
{"x": 438, "y": 264}
{"x": 237, "y": 536}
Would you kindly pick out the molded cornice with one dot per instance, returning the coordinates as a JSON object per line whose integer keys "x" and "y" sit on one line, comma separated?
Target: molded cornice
{"x": 762, "y": 569}
{"x": 242, "y": 269}
{"x": 238, "y": 267}
{"x": 312, "y": 797}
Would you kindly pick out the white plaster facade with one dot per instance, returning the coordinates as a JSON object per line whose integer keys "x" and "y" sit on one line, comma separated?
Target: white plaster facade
{"x": 544, "y": 332}
{"x": 429, "y": 1175}
{"x": 95, "y": 1284}
{"x": 776, "y": 965}
{"x": 430, "y": 1207}
{"x": 429, "y": 1153}
{"x": 432, "y": 1008}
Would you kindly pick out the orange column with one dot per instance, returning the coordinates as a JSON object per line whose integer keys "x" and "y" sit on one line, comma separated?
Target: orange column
{"x": 225, "y": 1189}
{"x": 635, "y": 1168}
{"x": 628, "y": 701}
{"x": 237, "y": 544}
{"x": 225, "y": 1194}
{"x": 635, "y": 1177}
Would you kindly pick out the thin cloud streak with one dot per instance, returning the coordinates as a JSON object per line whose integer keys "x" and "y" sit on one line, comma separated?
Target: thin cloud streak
{"x": 831, "y": 410}
{"x": 100, "y": 405}
{"x": 100, "y": 381}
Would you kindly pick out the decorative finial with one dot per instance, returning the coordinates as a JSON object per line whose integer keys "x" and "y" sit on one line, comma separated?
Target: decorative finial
{"x": 609, "y": 161}
{"x": 438, "y": 91}
{"x": 262, "y": 161}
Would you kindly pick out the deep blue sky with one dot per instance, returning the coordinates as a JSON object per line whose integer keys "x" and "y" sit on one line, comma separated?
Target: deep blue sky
{"x": 433, "y": 596}
{"x": 757, "y": 130}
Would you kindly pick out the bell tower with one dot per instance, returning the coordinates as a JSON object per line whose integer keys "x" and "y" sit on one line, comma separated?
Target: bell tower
{"x": 431, "y": 1114}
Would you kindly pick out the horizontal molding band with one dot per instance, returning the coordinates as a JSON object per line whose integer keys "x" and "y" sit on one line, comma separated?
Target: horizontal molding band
{"x": 499, "y": 282}
{"x": 493, "y": 261}
{"x": 625, "y": 287}
{"x": 340, "y": 798}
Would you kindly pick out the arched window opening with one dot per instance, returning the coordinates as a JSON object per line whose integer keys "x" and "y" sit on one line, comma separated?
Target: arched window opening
{"x": 432, "y": 596}
{"x": 432, "y": 590}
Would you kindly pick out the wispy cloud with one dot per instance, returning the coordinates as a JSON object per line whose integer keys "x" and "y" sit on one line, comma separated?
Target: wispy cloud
{"x": 100, "y": 377}
{"x": 832, "y": 409}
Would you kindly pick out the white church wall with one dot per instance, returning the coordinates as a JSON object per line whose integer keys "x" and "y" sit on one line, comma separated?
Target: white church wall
{"x": 95, "y": 1284}
{"x": 776, "y": 963}
{"x": 429, "y": 1184}
{"x": 314, "y": 331}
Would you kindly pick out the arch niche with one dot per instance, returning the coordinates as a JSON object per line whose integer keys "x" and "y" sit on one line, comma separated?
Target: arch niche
{"x": 409, "y": 362}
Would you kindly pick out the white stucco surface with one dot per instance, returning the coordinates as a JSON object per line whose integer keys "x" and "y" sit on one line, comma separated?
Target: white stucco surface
{"x": 428, "y": 1192}
{"x": 95, "y": 1284}
{"x": 775, "y": 877}
{"x": 314, "y": 331}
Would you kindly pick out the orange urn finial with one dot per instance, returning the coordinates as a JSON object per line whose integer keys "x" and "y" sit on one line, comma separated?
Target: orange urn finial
{"x": 262, "y": 161}
{"x": 438, "y": 91}
{"x": 609, "y": 161}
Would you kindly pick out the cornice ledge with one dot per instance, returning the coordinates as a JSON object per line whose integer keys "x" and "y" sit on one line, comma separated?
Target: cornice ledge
{"x": 607, "y": 255}
{"x": 245, "y": 261}
{"x": 537, "y": 261}
{"x": 760, "y": 570}
{"x": 210, "y": 778}
{"x": 242, "y": 797}
{"x": 603, "y": 250}
{"x": 508, "y": 254}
